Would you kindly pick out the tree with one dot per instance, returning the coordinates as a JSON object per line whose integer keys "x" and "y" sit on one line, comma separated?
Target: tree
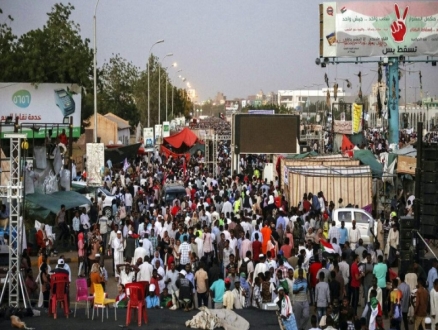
{"x": 118, "y": 80}
{"x": 181, "y": 104}
{"x": 54, "y": 54}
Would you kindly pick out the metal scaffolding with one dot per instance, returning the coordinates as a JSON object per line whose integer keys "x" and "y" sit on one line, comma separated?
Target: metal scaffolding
{"x": 214, "y": 138}
{"x": 14, "y": 194}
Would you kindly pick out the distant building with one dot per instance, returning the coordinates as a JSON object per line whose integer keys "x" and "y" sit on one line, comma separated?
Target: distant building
{"x": 111, "y": 129}
{"x": 299, "y": 99}
{"x": 220, "y": 98}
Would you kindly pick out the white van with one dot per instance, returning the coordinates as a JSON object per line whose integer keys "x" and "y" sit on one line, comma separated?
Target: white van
{"x": 362, "y": 221}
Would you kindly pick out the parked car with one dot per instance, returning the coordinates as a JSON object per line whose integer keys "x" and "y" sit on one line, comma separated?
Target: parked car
{"x": 362, "y": 221}
{"x": 95, "y": 192}
{"x": 172, "y": 191}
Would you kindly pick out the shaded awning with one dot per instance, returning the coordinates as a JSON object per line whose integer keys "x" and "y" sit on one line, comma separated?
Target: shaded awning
{"x": 53, "y": 202}
{"x": 185, "y": 137}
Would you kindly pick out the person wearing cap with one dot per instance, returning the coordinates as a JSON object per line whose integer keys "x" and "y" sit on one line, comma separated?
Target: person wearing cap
{"x": 261, "y": 267}
{"x": 239, "y": 295}
{"x": 185, "y": 287}
{"x": 152, "y": 300}
{"x": 286, "y": 313}
{"x": 228, "y": 298}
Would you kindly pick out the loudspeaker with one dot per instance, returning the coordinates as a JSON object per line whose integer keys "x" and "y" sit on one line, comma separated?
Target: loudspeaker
{"x": 407, "y": 225}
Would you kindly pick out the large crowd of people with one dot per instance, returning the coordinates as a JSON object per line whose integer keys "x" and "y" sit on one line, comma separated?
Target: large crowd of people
{"x": 232, "y": 241}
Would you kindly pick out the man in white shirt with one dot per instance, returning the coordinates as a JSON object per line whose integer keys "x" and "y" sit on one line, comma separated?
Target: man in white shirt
{"x": 162, "y": 273}
{"x": 85, "y": 220}
{"x": 147, "y": 245}
{"x": 227, "y": 207}
{"x": 260, "y": 267}
{"x": 139, "y": 252}
{"x": 354, "y": 235}
{"x": 103, "y": 228}
{"x": 145, "y": 270}
{"x": 128, "y": 201}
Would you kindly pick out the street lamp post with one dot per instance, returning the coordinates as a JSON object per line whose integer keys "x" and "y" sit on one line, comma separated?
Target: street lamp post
{"x": 173, "y": 87}
{"x": 95, "y": 76}
{"x": 159, "y": 89}
{"x": 167, "y": 83}
{"x": 149, "y": 78}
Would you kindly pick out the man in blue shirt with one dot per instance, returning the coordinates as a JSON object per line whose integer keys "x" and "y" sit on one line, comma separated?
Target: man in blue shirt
{"x": 344, "y": 234}
{"x": 432, "y": 275}
{"x": 280, "y": 221}
{"x": 217, "y": 291}
{"x": 152, "y": 301}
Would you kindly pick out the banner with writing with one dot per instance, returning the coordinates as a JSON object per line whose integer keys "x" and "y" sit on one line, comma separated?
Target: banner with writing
{"x": 357, "y": 118}
{"x": 351, "y": 29}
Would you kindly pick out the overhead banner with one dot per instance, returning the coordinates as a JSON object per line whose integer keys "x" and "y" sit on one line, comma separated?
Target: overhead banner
{"x": 166, "y": 129}
{"x": 40, "y": 104}
{"x": 148, "y": 138}
{"x": 357, "y": 118}
{"x": 352, "y": 29}
{"x": 158, "y": 134}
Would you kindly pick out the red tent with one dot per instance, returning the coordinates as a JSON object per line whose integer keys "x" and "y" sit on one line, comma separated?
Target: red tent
{"x": 184, "y": 138}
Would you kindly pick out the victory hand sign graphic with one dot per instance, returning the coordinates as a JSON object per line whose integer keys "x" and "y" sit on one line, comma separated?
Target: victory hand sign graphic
{"x": 398, "y": 27}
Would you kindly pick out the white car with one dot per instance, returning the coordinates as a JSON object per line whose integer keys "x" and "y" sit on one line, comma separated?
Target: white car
{"x": 90, "y": 192}
{"x": 362, "y": 221}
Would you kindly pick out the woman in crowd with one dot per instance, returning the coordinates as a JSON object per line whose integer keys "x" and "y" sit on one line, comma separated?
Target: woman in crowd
{"x": 95, "y": 277}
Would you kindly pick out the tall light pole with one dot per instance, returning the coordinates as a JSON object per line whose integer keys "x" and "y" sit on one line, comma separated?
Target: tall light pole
{"x": 159, "y": 89}
{"x": 173, "y": 87}
{"x": 149, "y": 79}
{"x": 167, "y": 83}
{"x": 95, "y": 77}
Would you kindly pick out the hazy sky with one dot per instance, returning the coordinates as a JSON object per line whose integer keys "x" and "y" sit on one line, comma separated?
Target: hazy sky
{"x": 237, "y": 47}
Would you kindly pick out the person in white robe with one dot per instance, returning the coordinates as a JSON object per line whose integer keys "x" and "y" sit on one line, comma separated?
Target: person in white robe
{"x": 434, "y": 303}
{"x": 117, "y": 245}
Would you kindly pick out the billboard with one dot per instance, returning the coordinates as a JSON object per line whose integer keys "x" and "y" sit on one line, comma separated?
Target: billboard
{"x": 352, "y": 29}
{"x": 262, "y": 134}
{"x": 232, "y": 106}
{"x": 158, "y": 134}
{"x": 357, "y": 118}
{"x": 166, "y": 129}
{"x": 40, "y": 104}
{"x": 148, "y": 138}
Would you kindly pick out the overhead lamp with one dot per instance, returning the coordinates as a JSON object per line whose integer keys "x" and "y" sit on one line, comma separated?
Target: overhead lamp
{"x": 317, "y": 61}
{"x": 8, "y": 120}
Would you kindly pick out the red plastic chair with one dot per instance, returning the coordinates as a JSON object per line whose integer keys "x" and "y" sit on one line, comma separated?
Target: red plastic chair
{"x": 144, "y": 286}
{"x": 58, "y": 285}
{"x": 82, "y": 295}
{"x": 136, "y": 302}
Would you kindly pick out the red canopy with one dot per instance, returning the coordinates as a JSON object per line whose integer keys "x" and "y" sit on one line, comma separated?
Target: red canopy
{"x": 186, "y": 137}
{"x": 168, "y": 153}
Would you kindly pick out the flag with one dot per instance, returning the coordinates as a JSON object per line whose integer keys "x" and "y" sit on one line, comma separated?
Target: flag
{"x": 346, "y": 144}
{"x": 125, "y": 165}
{"x": 376, "y": 310}
{"x": 327, "y": 247}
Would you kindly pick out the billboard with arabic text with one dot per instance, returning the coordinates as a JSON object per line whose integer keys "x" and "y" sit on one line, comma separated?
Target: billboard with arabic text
{"x": 356, "y": 29}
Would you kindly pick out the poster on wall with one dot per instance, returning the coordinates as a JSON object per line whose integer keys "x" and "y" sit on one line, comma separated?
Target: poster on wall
{"x": 351, "y": 29}
{"x": 158, "y": 134}
{"x": 40, "y": 104}
{"x": 95, "y": 163}
{"x": 166, "y": 129}
{"x": 148, "y": 138}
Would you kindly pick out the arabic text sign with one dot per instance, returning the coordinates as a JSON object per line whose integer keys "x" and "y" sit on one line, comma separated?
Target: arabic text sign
{"x": 357, "y": 118}
{"x": 352, "y": 29}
